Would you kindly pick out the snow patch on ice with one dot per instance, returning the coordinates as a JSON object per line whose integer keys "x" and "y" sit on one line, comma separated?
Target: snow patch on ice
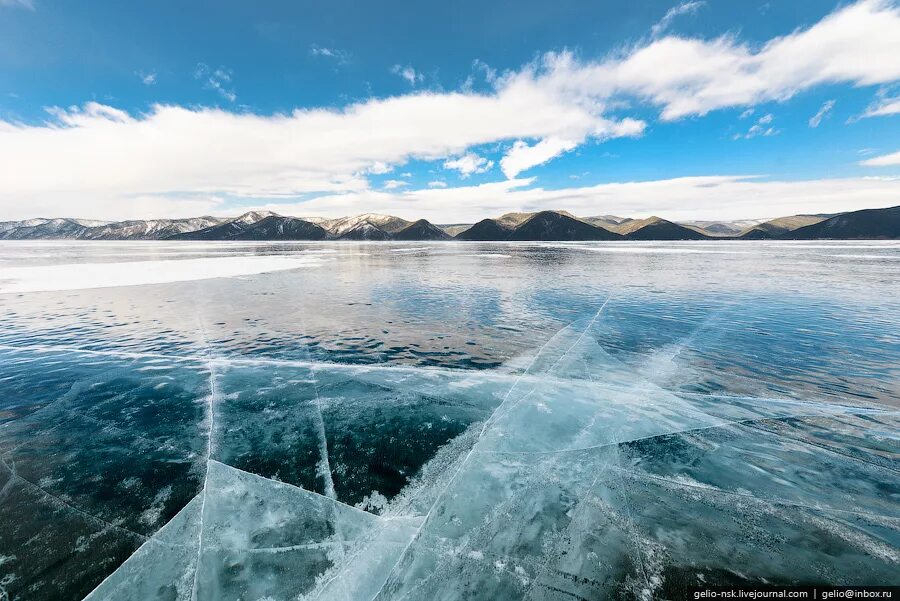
{"x": 79, "y": 276}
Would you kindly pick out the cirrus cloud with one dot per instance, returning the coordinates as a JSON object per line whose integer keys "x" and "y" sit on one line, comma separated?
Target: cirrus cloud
{"x": 885, "y": 160}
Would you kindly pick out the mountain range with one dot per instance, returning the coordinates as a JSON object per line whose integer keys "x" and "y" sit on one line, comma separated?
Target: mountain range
{"x": 542, "y": 225}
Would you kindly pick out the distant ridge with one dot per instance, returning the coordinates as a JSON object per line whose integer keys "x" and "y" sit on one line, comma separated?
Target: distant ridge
{"x": 781, "y": 226}
{"x": 364, "y": 231}
{"x": 538, "y": 226}
{"x": 386, "y": 223}
{"x": 421, "y": 230}
{"x": 485, "y": 230}
{"x": 85, "y": 229}
{"x": 550, "y": 225}
{"x": 258, "y": 226}
{"x": 867, "y": 224}
{"x": 655, "y": 228}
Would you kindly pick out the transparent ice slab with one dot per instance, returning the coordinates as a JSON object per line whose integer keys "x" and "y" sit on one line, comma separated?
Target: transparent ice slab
{"x": 358, "y": 433}
{"x": 248, "y": 537}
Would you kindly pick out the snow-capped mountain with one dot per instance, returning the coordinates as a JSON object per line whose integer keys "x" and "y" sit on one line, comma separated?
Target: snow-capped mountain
{"x": 269, "y": 227}
{"x": 251, "y": 217}
{"x": 342, "y": 225}
{"x": 545, "y": 225}
{"x": 85, "y": 229}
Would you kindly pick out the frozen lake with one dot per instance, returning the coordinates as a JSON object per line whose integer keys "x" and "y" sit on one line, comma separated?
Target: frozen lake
{"x": 389, "y": 421}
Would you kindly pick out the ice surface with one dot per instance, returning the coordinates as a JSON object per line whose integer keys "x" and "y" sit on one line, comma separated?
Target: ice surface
{"x": 80, "y": 276}
{"x": 80, "y": 425}
{"x": 646, "y": 446}
{"x": 584, "y": 480}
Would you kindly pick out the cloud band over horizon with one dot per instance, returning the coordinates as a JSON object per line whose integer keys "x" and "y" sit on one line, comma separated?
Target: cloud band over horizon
{"x": 99, "y": 161}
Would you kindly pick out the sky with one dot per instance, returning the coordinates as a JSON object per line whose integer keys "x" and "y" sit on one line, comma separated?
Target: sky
{"x": 452, "y": 112}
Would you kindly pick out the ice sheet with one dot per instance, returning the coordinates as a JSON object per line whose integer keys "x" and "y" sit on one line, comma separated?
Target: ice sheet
{"x": 578, "y": 471}
{"x": 79, "y": 276}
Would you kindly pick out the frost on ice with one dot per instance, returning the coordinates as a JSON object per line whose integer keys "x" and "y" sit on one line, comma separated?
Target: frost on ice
{"x": 570, "y": 475}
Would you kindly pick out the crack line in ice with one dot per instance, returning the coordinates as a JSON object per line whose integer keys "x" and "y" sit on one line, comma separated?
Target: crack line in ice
{"x": 325, "y": 468}
{"x": 211, "y": 409}
{"x": 462, "y": 464}
{"x": 625, "y": 499}
{"x": 829, "y": 449}
{"x": 731, "y": 398}
{"x": 343, "y": 561}
{"x": 296, "y": 487}
{"x": 724, "y": 424}
{"x": 500, "y": 411}
{"x": 545, "y": 565}
{"x": 285, "y": 549}
{"x": 489, "y": 558}
{"x": 507, "y": 410}
{"x": 241, "y": 361}
{"x": 493, "y": 375}
{"x": 73, "y": 508}
{"x": 7, "y": 487}
{"x": 721, "y": 491}
{"x": 583, "y": 333}
{"x": 73, "y": 390}
{"x": 683, "y": 344}
{"x": 323, "y": 443}
{"x": 213, "y": 390}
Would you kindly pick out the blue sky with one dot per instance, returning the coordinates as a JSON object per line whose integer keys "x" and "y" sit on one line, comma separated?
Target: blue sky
{"x": 449, "y": 111}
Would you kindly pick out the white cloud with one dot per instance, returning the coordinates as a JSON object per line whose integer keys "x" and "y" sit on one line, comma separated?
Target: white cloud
{"x": 393, "y": 184}
{"x": 816, "y": 119}
{"x": 411, "y": 76}
{"x": 889, "y": 106}
{"x": 762, "y": 127}
{"x": 857, "y": 44}
{"x": 885, "y": 160}
{"x": 468, "y": 164}
{"x": 885, "y": 103}
{"x": 333, "y": 53}
{"x": 703, "y": 197}
{"x": 522, "y": 156}
{"x": 148, "y": 79}
{"x": 102, "y": 157}
{"x": 379, "y": 168}
{"x": 685, "y": 8}
{"x": 27, "y": 4}
{"x": 490, "y": 74}
{"x": 437, "y": 184}
{"x": 218, "y": 80}
{"x": 747, "y": 113}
